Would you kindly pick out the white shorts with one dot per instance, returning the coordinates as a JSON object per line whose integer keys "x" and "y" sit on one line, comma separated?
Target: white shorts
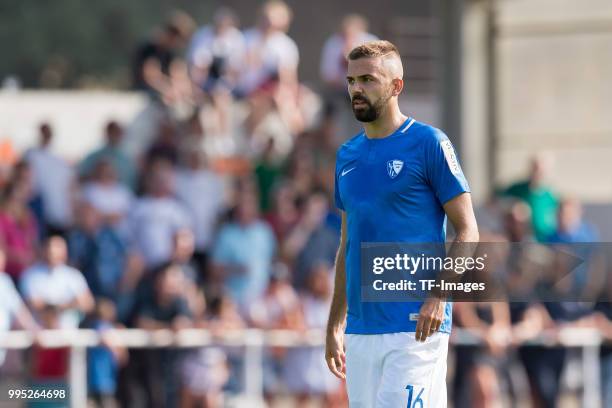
{"x": 395, "y": 371}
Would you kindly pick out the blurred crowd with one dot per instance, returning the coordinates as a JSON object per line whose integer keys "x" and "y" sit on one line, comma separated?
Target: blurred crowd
{"x": 505, "y": 367}
{"x": 217, "y": 215}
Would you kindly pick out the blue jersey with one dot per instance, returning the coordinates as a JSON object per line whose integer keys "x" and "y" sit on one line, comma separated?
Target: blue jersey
{"x": 393, "y": 190}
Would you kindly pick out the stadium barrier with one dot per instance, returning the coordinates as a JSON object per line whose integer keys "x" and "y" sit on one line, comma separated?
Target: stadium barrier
{"x": 253, "y": 342}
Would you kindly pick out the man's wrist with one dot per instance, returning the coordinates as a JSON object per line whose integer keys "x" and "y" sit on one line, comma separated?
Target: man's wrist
{"x": 438, "y": 294}
{"x": 334, "y": 329}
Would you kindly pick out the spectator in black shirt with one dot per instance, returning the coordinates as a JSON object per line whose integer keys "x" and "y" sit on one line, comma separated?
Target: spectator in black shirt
{"x": 167, "y": 308}
{"x": 154, "y": 57}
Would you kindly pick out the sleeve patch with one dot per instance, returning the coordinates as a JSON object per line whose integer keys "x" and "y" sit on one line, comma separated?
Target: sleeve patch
{"x": 451, "y": 157}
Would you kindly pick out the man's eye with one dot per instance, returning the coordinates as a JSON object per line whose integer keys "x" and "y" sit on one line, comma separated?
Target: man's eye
{"x": 351, "y": 81}
{"x": 367, "y": 79}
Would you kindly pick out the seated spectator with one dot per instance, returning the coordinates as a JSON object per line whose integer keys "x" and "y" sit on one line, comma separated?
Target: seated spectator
{"x": 50, "y": 366}
{"x": 543, "y": 365}
{"x": 301, "y": 171}
{"x": 216, "y": 52}
{"x": 51, "y": 287}
{"x": 539, "y": 196}
{"x": 22, "y": 174}
{"x": 168, "y": 307}
{"x": 104, "y": 259}
{"x": 204, "y": 373}
{"x": 222, "y": 315}
{"x": 157, "y": 216}
{"x": 222, "y": 318}
{"x": 571, "y": 227}
{"x": 154, "y": 58}
{"x": 586, "y": 277}
{"x": 13, "y": 312}
{"x": 311, "y": 241}
{"x": 112, "y": 153}
{"x": 18, "y": 228}
{"x": 277, "y": 308}
{"x": 103, "y": 361}
{"x": 284, "y": 213}
{"x": 243, "y": 252}
{"x": 53, "y": 180}
{"x": 482, "y": 366}
{"x": 183, "y": 257}
{"x": 334, "y": 63}
{"x": 166, "y": 144}
{"x": 216, "y": 56}
{"x": 270, "y": 77}
{"x": 323, "y": 144}
{"x": 305, "y": 371}
{"x": 603, "y": 323}
{"x": 110, "y": 198}
{"x": 268, "y": 170}
{"x": 202, "y": 191}
{"x": 271, "y": 56}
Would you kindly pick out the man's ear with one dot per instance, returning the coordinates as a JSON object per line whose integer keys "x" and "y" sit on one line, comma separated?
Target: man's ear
{"x": 398, "y": 85}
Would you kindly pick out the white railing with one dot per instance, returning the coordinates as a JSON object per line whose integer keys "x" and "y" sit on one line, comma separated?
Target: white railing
{"x": 253, "y": 341}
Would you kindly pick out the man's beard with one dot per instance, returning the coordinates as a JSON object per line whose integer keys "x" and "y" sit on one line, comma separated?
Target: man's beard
{"x": 372, "y": 111}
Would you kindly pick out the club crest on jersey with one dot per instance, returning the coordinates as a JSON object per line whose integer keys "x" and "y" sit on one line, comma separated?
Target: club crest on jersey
{"x": 394, "y": 167}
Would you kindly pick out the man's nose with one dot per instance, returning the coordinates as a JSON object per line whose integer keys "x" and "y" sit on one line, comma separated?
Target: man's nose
{"x": 355, "y": 89}
{"x": 358, "y": 90}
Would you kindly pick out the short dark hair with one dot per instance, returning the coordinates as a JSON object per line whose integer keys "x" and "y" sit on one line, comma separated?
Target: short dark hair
{"x": 373, "y": 49}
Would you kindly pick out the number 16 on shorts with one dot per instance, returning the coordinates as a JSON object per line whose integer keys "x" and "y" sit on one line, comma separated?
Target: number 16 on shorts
{"x": 414, "y": 401}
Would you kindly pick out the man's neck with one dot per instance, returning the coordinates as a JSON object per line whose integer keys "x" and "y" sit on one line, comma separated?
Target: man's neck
{"x": 386, "y": 124}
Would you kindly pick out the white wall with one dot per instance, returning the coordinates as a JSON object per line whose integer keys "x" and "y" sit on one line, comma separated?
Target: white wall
{"x": 77, "y": 117}
{"x": 554, "y": 59}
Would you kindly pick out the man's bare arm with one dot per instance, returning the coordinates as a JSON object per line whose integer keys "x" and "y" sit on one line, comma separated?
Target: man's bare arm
{"x": 460, "y": 212}
{"x": 334, "y": 345}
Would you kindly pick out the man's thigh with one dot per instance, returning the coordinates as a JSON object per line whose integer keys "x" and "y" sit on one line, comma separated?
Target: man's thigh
{"x": 363, "y": 369}
{"x": 413, "y": 373}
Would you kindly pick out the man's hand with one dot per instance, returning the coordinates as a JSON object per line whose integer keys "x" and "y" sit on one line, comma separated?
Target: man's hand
{"x": 334, "y": 354}
{"x": 431, "y": 316}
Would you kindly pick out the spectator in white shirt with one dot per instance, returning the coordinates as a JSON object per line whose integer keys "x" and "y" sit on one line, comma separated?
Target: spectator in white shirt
{"x": 106, "y": 194}
{"x": 353, "y": 31}
{"x": 53, "y": 180}
{"x": 12, "y": 308}
{"x": 216, "y": 56}
{"x": 243, "y": 252}
{"x": 157, "y": 216}
{"x": 270, "y": 75}
{"x": 52, "y": 283}
{"x": 216, "y": 52}
{"x": 272, "y": 56}
{"x": 112, "y": 151}
{"x": 203, "y": 193}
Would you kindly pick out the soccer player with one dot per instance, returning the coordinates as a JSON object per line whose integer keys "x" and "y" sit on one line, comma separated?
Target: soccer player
{"x": 396, "y": 181}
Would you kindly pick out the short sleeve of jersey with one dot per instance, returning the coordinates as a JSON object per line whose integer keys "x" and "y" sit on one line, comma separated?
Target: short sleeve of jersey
{"x": 337, "y": 197}
{"x": 443, "y": 170}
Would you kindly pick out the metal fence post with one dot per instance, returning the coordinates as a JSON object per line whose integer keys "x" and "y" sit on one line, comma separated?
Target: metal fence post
{"x": 253, "y": 365}
{"x": 591, "y": 392}
{"x": 78, "y": 376}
